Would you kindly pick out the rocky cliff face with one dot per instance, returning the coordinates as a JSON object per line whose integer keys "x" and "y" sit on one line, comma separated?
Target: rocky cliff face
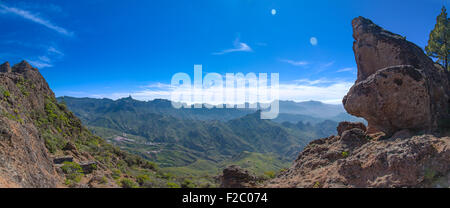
{"x": 24, "y": 161}
{"x": 38, "y": 134}
{"x": 402, "y": 94}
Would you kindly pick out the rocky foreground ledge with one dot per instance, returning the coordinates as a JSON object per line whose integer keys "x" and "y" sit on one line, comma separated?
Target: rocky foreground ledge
{"x": 354, "y": 159}
{"x": 405, "y": 97}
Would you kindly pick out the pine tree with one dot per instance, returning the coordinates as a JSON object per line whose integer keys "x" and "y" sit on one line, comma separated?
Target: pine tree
{"x": 439, "y": 42}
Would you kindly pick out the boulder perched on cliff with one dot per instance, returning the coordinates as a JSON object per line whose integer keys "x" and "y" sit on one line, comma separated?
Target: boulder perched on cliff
{"x": 236, "y": 177}
{"x": 358, "y": 161}
{"x": 398, "y": 86}
{"x": 400, "y": 92}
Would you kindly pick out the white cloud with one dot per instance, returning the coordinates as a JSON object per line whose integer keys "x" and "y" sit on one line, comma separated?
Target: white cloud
{"x": 346, "y": 69}
{"x": 324, "y": 90}
{"x": 34, "y": 18}
{"x": 53, "y": 50}
{"x": 45, "y": 61}
{"x": 316, "y": 81}
{"x": 39, "y": 63}
{"x": 326, "y": 65}
{"x": 294, "y": 63}
{"x": 238, "y": 47}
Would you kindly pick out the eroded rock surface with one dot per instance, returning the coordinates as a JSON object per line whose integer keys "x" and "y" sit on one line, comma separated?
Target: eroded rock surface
{"x": 398, "y": 86}
{"x": 356, "y": 161}
{"x": 236, "y": 177}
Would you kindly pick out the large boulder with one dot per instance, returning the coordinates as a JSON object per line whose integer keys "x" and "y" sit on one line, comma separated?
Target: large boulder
{"x": 398, "y": 86}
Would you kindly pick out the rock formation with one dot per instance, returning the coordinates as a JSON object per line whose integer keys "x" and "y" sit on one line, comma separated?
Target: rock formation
{"x": 24, "y": 161}
{"x": 43, "y": 144}
{"x": 398, "y": 86}
{"x": 344, "y": 126}
{"x": 5, "y": 67}
{"x": 236, "y": 177}
{"x": 355, "y": 160}
{"x": 401, "y": 93}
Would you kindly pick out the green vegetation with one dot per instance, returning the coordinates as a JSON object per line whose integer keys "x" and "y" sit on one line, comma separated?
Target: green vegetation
{"x": 104, "y": 180}
{"x": 53, "y": 142}
{"x": 116, "y": 174}
{"x": 439, "y": 42}
{"x": 345, "y": 154}
{"x": 188, "y": 184}
{"x": 128, "y": 183}
{"x": 59, "y": 126}
{"x": 173, "y": 185}
{"x": 270, "y": 174}
{"x": 316, "y": 185}
{"x": 143, "y": 180}
{"x": 5, "y": 93}
{"x": 22, "y": 85}
{"x": 429, "y": 175}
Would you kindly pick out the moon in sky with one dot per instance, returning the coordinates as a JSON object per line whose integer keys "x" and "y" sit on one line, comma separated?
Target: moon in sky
{"x": 274, "y": 11}
{"x": 313, "y": 41}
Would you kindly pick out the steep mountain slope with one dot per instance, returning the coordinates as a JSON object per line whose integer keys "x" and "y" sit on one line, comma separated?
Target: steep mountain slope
{"x": 42, "y": 144}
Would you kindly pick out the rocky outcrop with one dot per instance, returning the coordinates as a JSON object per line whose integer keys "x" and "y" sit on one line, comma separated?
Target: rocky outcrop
{"x": 61, "y": 160}
{"x": 398, "y": 86}
{"x": 401, "y": 93}
{"x": 24, "y": 159}
{"x": 235, "y": 177}
{"x": 355, "y": 160}
{"x": 88, "y": 166}
{"x": 5, "y": 67}
{"x": 344, "y": 126}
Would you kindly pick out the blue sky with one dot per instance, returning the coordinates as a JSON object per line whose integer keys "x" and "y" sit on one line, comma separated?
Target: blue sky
{"x": 112, "y": 48}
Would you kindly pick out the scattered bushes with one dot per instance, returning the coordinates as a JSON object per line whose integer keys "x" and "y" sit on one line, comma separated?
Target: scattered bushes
{"x": 345, "y": 154}
{"x": 73, "y": 172}
{"x": 6, "y": 94}
{"x": 143, "y": 180}
{"x": 22, "y": 85}
{"x": 53, "y": 142}
{"x": 270, "y": 174}
{"x": 127, "y": 183}
{"x": 188, "y": 184}
{"x": 116, "y": 174}
{"x": 172, "y": 185}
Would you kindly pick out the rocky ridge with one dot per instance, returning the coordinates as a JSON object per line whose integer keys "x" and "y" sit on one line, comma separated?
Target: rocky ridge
{"x": 42, "y": 143}
{"x": 398, "y": 86}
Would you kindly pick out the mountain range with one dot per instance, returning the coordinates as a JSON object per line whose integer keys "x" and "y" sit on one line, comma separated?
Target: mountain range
{"x": 180, "y": 139}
